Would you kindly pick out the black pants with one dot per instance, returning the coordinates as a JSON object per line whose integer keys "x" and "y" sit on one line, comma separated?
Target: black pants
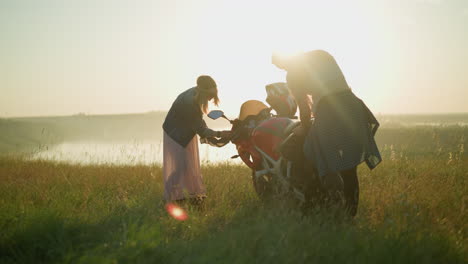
{"x": 316, "y": 193}
{"x": 351, "y": 190}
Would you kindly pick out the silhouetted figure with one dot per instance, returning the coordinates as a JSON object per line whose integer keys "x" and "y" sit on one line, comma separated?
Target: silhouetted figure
{"x": 342, "y": 134}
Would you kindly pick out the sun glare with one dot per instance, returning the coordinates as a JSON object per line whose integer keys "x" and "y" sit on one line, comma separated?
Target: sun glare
{"x": 177, "y": 212}
{"x": 312, "y": 25}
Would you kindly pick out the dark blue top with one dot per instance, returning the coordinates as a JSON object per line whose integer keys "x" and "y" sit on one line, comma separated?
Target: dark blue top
{"x": 185, "y": 119}
{"x": 342, "y": 134}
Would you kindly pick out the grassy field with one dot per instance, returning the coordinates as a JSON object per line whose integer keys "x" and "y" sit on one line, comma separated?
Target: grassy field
{"x": 413, "y": 209}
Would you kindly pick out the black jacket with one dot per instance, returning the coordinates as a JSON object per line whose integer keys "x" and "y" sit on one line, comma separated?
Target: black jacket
{"x": 185, "y": 119}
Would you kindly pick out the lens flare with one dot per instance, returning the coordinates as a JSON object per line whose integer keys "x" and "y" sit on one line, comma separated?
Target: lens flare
{"x": 177, "y": 212}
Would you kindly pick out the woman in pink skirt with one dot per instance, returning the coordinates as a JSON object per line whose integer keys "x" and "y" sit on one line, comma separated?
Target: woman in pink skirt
{"x": 181, "y": 161}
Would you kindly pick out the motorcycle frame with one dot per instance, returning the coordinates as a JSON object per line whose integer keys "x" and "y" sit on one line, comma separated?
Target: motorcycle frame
{"x": 275, "y": 169}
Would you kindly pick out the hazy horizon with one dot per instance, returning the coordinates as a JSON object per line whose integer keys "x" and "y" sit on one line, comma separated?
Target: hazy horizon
{"x": 121, "y": 57}
{"x": 234, "y": 116}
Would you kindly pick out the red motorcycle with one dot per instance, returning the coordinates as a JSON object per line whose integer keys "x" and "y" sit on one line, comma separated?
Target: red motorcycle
{"x": 259, "y": 137}
{"x": 266, "y": 144}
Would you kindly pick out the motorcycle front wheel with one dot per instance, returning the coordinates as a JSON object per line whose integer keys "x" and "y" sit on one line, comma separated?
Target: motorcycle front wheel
{"x": 263, "y": 186}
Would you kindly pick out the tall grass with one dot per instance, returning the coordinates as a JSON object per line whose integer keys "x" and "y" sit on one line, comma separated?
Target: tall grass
{"x": 413, "y": 209}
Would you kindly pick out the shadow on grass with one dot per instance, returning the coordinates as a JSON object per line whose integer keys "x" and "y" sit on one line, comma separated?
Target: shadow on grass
{"x": 252, "y": 234}
{"x": 266, "y": 235}
{"x": 46, "y": 237}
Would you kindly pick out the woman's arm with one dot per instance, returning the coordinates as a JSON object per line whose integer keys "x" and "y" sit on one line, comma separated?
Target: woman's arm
{"x": 204, "y": 132}
{"x": 305, "y": 111}
{"x": 202, "y": 129}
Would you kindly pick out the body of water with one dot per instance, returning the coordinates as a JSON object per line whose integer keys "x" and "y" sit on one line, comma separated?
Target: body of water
{"x": 126, "y": 153}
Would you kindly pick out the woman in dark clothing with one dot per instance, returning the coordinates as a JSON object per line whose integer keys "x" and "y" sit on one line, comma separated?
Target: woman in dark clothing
{"x": 342, "y": 133}
{"x": 181, "y": 161}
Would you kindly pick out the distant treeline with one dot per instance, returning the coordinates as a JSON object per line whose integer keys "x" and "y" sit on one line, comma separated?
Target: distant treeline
{"x": 18, "y": 136}
{"x": 423, "y": 119}
{"x": 34, "y": 133}
{"x": 101, "y": 127}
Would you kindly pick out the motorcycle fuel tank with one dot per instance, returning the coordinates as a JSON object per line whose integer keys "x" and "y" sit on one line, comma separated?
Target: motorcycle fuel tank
{"x": 269, "y": 134}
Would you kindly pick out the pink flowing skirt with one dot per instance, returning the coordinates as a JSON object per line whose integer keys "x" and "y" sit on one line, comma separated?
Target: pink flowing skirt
{"x": 181, "y": 170}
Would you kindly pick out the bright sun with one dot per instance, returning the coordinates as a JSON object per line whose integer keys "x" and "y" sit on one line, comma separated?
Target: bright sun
{"x": 245, "y": 68}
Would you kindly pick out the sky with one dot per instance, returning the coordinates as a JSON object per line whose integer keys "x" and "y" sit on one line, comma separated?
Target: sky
{"x": 63, "y": 57}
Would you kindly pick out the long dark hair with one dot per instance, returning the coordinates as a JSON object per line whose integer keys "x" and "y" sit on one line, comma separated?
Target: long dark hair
{"x": 206, "y": 90}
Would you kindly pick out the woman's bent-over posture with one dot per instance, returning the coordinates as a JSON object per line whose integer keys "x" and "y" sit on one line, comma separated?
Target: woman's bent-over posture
{"x": 181, "y": 161}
